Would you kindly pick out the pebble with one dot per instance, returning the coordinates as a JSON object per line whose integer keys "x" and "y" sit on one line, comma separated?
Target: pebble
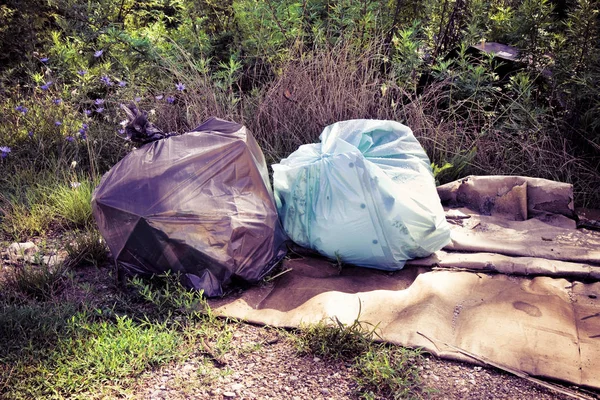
{"x": 229, "y": 394}
{"x": 237, "y": 386}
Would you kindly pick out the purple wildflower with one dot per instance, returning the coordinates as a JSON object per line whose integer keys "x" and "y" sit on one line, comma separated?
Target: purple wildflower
{"x": 106, "y": 80}
{"x": 30, "y": 134}
{"x": 159, "y": 97}
{"x": 180, "y": 87}
{"x": 44, "y": 60}
{"x": 21, "y": 109}
{"x": 170, "y": 99}
{"x": 122, "y": 83}
{"x": 82, "y": 72}
{"x": 137, "y": 99}
{"x": 98, "y": 53}
{"x": 57, "y": 123}
{"x": 46, "y": 85}
{"x": 99, "y": 110}
{"x": 87, "y": 112}
{"x": 99, "y": 102}
{"x": 121, "y": 131}
{"x": 70, "y": 138}
{"x": 4, "y": 150}
{"x": 57, "y": 101}
{"x": 83, "y": 131}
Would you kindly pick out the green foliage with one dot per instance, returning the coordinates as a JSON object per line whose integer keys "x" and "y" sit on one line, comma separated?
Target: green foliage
{"x": 288, "y": 68}
{"x": 389, "y": 372}
{"x": 93, "y": 359}
{"x": 30, "y": 326}
{"x": 38, "y": 279}
{"x": 408, "y": 62}
{"x": 99, "y": 346}
{"x": 171, "y": 298}
{"x": 100, "y": 354}
{"x": 336, "y": 341}
{"x": 25, "y": 211}
{"x": 86, "y": 247}
{"x": 72, "y": 202}
{"x": 383, "y": 371}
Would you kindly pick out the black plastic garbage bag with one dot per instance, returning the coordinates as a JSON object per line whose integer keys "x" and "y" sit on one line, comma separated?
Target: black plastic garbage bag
{"x": 199, "y": 204}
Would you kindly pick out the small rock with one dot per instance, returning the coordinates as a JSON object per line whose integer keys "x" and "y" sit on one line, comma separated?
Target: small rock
{"x": 316, "y": 359}
{"x": 229, "y": 395}
{"x": 237, "y": 386}
{"x": 477, "y": 368}
{"x": 16, "y": 251}
{"x": 324, "y": 391}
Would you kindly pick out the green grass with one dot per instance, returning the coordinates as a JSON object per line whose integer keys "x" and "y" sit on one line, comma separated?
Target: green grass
{"x": 71, "y": 201}
{"x": 39, "y": 280}
{"x": 336, "y": 341}
{"x": 25, "y": 215}
{"x": 106, "y": 354}
{"x": 382, "y": 371}
{"x": 57, "y": 347}
{"x": 389, "y": 372}
{"x": 86, "y": 247}
{"x": 30, "y": 209}
{"x": 94, "y": 359}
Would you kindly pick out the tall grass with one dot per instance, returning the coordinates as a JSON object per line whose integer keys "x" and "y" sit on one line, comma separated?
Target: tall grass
{"x": 465, "y": 117}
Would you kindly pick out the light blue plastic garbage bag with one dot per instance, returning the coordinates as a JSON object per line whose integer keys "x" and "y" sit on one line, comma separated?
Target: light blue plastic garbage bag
{"x": 365, "y": 194}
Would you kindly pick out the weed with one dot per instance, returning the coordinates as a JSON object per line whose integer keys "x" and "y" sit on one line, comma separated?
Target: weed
{"x": 95, "y": 359}
{"x": 388, "y": 372}
{"x": 170, "y": 298}
{"x": 22, "y": 217}
{"x": 336, "y": 341}
{"x": 39, "y": 281}
{"x": 382, "y": 372}
{"x": 102, "y": 352}
{"x": 28, "y": 328}
{"x": 71, "y": 201}
{"x": 86, "y": 247}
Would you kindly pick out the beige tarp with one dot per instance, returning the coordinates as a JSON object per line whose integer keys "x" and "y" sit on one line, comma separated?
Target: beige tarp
{"x": 539, "y": 315}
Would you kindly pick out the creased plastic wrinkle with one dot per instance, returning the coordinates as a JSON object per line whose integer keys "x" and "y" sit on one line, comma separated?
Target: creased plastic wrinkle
{"x": 199, "y": 204}
{"x": 365, "y": 195}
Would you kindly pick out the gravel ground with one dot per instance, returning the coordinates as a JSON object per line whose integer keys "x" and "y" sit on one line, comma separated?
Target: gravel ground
{"x": 262, "y": 364}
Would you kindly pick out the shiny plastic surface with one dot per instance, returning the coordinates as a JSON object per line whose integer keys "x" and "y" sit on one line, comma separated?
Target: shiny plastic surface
{"x": 199, "y": 204}
{"x": 365, "y": 195}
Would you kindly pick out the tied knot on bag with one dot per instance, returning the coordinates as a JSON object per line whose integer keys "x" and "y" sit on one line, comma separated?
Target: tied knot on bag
{"x": 138, "y": 129}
